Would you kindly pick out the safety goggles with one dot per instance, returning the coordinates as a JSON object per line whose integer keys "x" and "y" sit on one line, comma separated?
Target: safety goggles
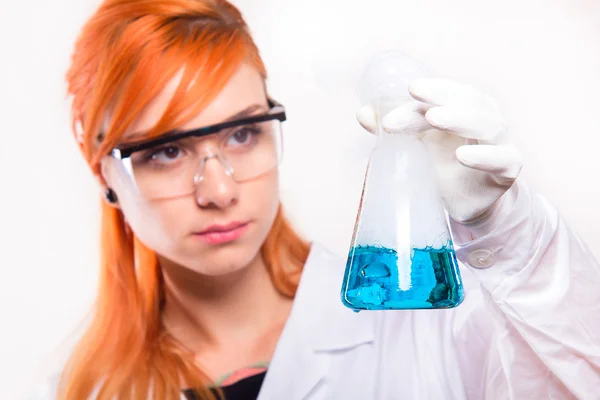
{"x": 173, "y": 164}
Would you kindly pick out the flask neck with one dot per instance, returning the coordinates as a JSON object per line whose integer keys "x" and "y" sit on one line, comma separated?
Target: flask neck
{"x": 382, "y": 107}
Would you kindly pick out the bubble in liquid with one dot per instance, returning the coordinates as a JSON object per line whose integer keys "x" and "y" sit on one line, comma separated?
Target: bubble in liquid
{"x": 376, "y": 269}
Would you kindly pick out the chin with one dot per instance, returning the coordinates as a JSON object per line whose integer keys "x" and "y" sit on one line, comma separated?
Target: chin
{"x": 223, "y": 259}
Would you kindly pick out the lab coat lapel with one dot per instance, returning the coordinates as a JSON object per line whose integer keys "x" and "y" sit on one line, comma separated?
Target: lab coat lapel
{"x": 318, "y": 329}
{"x": 302, "y": 377}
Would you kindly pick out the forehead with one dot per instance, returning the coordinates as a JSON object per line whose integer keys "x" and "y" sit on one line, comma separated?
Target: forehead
{"x": 245, "y": 88}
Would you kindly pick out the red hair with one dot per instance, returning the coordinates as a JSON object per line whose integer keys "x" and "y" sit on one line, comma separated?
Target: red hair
{"x": 125, "y": 54}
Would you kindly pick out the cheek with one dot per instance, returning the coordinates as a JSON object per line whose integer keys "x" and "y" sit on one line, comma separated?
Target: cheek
{"x": 141, "y": 215}
{"x": 262, "y": 199}
{"x": 153, "y": 224}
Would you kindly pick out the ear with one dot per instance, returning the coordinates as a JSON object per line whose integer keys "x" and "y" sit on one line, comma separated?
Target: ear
{"x": 103, "y": 179}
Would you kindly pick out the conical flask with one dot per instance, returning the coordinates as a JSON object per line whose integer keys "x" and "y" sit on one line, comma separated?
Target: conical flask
{"x": 401, "y": 255}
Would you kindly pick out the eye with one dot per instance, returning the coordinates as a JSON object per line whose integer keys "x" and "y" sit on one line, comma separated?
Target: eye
{"x": 244, "y": 136}
{"x": 164, "y": 155}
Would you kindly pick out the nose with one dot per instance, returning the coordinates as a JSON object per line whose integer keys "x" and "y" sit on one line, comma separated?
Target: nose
{"x": 214, "y": 183}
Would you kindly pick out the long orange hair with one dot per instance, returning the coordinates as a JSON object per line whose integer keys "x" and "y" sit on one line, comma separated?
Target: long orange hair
{"x": 125, "y": 54}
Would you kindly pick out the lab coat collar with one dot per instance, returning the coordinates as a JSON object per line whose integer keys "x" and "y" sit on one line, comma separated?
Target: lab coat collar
{"x": 318, "y": 329}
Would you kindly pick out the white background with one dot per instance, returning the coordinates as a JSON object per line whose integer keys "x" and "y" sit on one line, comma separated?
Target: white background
{"x": 540, "y": 59}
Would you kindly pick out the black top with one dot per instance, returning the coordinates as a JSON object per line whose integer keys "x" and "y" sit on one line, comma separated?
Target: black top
{"x": 244, "y": 389}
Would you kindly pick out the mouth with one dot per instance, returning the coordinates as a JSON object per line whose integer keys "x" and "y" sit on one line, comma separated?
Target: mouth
{"x": 219, "y": 234}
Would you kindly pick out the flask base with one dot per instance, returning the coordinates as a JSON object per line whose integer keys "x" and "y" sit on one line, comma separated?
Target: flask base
{"x": 374, "y": 279}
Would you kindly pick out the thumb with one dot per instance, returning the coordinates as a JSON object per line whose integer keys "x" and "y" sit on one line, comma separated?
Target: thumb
{"x": 367, "y": 118}
{"x": 407, "y": 118}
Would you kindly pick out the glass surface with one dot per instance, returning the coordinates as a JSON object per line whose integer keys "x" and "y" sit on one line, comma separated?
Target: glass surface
{"x": 401, "y": 255}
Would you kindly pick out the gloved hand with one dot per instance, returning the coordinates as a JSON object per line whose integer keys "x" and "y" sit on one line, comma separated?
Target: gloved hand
{"x": 466, "y": 137}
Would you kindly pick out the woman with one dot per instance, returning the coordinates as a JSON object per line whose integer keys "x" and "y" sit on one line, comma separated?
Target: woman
{"x": 205, "y": 288}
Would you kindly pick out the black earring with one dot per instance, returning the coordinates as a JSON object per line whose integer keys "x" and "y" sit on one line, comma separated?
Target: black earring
{"x": 111, "y": 196}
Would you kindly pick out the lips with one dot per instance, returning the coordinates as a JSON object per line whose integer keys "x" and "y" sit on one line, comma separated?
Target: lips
{"x": 218, "y": 234}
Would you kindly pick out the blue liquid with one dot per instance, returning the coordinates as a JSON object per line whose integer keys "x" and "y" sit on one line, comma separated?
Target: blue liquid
{"x": 372, "y": 281}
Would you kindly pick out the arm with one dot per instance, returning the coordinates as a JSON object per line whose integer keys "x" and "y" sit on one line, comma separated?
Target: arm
{"x": 541, "y": 293}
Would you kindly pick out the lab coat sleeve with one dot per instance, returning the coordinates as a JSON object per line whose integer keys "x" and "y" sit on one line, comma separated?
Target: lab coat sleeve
{"x": 540, "y": 288}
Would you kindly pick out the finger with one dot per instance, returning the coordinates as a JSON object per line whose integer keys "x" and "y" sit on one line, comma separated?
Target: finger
{"x": 505, "y": 161}
{"x": 441, "y": 91}
{"x": 470, "y": 122}
{"x": 407, "y": 118}
{"x": 367, "y": 118}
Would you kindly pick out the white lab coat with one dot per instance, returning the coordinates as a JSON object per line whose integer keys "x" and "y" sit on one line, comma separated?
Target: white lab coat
{"x": 529, "y": 327}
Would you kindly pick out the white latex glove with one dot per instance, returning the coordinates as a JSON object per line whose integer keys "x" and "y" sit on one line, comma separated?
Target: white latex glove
{"x": 466, "y": 137}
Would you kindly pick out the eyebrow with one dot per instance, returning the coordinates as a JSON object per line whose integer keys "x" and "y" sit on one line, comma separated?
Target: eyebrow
{"x": 247, "y": 112}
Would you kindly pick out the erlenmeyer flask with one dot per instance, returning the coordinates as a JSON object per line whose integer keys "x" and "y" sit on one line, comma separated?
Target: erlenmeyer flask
{"x": 401, "y": 255}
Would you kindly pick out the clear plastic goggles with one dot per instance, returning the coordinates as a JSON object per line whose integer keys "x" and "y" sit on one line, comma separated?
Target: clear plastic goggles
{"x": 173, "y": 164}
